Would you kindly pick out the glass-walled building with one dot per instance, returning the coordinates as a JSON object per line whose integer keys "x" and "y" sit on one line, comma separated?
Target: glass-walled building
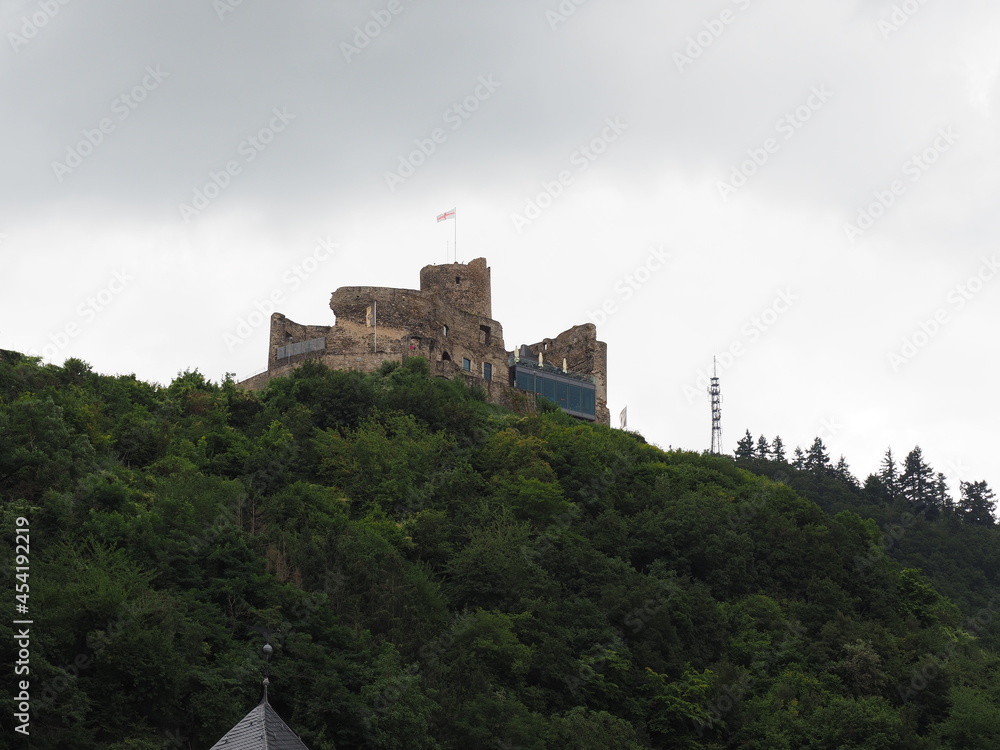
{"x": 574, "y": 394}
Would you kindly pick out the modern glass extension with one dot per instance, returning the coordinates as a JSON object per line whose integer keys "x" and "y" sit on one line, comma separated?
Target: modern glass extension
{"x": 570, "y": 392}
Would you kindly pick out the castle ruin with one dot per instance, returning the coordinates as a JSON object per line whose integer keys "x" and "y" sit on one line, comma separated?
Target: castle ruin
{"x": 449, "y": 322}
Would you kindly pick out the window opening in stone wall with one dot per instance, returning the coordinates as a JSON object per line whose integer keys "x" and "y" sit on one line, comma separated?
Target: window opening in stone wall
{"x": 458, "y": 279}
{"x": 485, "y": 338}
{"x": 444, "y": 330}
{"x": 445, "y": 357}
{"x": 466, "y": 364}
{"x": 487, "y": 371}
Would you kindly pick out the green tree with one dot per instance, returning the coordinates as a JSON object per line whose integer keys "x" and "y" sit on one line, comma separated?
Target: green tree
{"x": 583, "y": 729}
{"x": 763, "y": 448}
{"x": 888, "y": 474}
{"x": 817, "y": 458}
{"x": 799, "y": 459}
{"x": 976, "y": 504}
{"x": 942, "y": 499}
{"x": 973, "y": 720}
{"x": 916, "y": 485}
{"x": 843, "y": 472}
{"x": 778, "y": 449}
{"x": 745, "y": 447}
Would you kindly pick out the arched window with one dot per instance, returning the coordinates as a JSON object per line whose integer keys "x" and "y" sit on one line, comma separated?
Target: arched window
{"x": 445, "y": 357}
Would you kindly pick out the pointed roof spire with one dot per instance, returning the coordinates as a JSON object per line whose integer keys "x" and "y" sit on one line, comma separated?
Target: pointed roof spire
{"x": 262, "y": 728}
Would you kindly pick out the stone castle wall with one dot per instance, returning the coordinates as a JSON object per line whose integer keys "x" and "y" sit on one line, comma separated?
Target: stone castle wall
{"x": 583, "y": 354}
{"x": 447, "y": 321}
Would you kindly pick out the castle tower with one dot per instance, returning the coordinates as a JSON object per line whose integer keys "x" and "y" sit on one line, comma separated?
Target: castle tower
{"x": 464, "y": 286}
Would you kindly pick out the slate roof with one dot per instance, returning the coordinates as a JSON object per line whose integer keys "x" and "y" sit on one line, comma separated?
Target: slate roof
{"x": 261, "y": 729}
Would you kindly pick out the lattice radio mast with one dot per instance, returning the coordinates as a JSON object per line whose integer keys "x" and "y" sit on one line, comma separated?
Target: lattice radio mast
{"x": 716, "y": 396}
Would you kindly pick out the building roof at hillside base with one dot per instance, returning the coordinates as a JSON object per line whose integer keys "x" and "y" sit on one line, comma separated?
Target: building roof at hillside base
{"x": 261, "y": 729}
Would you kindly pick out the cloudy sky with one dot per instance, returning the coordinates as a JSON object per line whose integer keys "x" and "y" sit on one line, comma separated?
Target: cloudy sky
{"x": 807, "y": 190}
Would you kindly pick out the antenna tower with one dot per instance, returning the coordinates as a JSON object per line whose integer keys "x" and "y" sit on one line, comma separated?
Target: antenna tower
{"x": 716, "y": 395}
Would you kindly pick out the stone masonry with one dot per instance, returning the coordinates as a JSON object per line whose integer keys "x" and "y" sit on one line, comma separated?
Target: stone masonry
{"x": 448, "y": 321}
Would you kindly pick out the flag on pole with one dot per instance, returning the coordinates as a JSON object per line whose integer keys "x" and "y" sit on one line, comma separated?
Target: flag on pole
{"x": 623, "y": 417}
{"x": 447, "y": 215}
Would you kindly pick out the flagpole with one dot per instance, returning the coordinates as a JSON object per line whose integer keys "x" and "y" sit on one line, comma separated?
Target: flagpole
{"x": 455, "y": 211}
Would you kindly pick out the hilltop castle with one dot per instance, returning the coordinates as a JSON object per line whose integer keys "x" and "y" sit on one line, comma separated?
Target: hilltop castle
{"x": 448, "y": 321}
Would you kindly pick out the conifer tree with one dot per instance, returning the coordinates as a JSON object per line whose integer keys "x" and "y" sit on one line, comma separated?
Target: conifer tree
{"x": 888, "y": 474}
{"x": 916, "y": 485}
{"x": 744, "y": 448}
{"x": 799, "y": 460}
{"x": 778, "y": 449}
{"x": 976, "y": 503}
{"x": 763, "y": 448}
{"x": 942, "y": 499}
{"x": 817, "y": 459}
{"x": 843, "y": 472}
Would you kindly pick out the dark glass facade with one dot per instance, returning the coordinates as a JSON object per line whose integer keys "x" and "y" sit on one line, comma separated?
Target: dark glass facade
{"x": 574, "y": 396}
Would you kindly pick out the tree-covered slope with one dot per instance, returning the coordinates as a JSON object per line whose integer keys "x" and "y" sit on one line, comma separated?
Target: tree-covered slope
{"x": 438, "y": 573}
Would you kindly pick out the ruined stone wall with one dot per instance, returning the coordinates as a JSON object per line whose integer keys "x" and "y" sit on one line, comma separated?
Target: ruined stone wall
{"x": 585, "y": 355}
{"x": 285, "y": 331}
{"x": 462, "y": 286}
{"x": 416, "y": 323}
{"x": 458, "y": 335}
{"x": 448, "y": 320}
{"x": 396, "y": 308}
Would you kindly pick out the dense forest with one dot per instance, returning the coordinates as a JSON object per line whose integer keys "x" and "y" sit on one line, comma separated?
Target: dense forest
{"x": 437, "y": 573}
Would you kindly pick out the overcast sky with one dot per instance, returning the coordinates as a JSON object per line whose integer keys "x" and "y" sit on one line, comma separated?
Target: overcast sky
{"x": 807, "y": 190}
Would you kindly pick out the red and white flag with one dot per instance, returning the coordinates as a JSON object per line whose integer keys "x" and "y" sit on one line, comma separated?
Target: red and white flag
{"x": 447, "y": 215}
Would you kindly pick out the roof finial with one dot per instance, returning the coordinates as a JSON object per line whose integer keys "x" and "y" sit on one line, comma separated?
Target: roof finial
{"x": 268, "y": 650}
